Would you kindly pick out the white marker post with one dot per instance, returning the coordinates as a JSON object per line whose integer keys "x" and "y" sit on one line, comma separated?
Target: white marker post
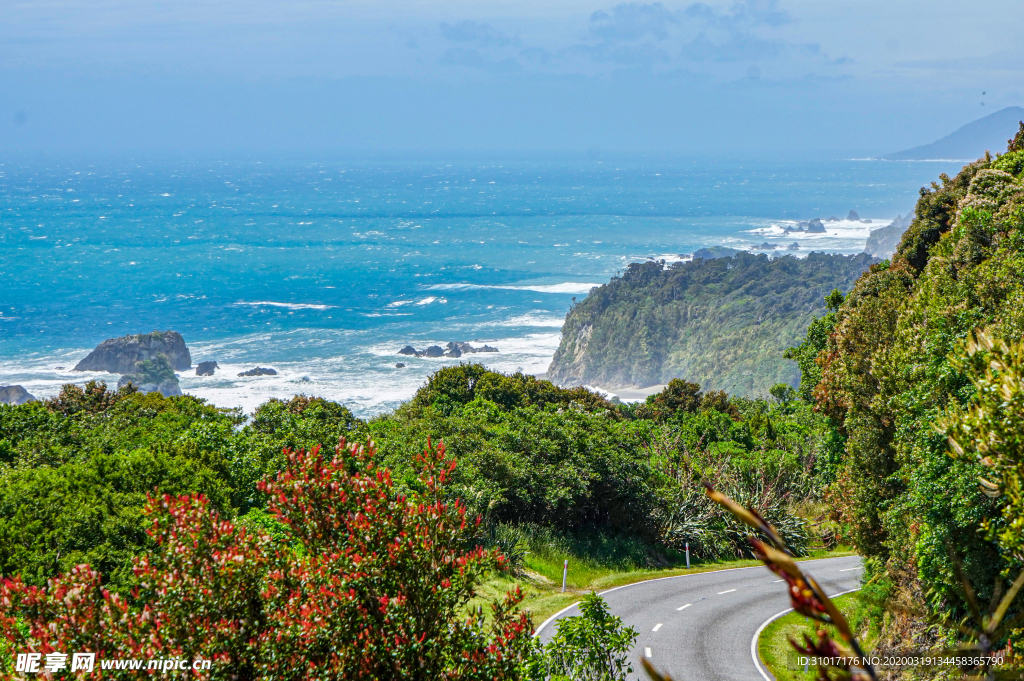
{"x": 565, "y": 573}
{"x": 687, "y": 555}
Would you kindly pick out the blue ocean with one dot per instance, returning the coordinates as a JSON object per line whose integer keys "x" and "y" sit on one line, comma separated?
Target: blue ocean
{"x": 323, "y": 271}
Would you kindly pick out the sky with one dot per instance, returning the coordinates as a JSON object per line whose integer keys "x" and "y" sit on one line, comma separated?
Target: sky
{"x": 337, "y": 78}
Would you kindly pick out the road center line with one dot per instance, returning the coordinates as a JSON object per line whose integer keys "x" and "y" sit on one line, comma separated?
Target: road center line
{"x": 647, "y": 652}
{"x": 727, "y": 591}
{"x": 656, "y": 627}
{"x": 848, "y": 569}
{"x": 685, "y": 606}
{"x": 778, "y": 580}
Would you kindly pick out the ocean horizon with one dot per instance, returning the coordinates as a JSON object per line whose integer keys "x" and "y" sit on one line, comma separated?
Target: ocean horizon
{"x": 323, "y": 271}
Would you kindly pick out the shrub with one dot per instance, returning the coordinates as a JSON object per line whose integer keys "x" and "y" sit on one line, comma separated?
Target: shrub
{"x": 590, "y": 647}
{"x": 369, "y": 584}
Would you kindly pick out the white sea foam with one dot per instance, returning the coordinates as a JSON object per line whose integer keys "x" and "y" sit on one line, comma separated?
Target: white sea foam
{"x": 563, "y": 288}
{"x": 288, "y": 306}
{"x": 530, "y": 319}
{"x": 356, "y": 368}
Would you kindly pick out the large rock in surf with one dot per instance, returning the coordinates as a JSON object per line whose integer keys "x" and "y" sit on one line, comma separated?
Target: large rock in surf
{"x": 853, "y": 215}
{"x": 816, "y": 226}
{"x": 259, "y": 371}
{"x": 14, "y": 394}
{"x": 433, "y": 351}
{"x": 119, "y": 355}
{"x": 206, "y": 368}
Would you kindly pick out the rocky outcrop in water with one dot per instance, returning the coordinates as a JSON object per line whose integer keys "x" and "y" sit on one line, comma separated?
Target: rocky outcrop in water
{"x": 259, "y": 371}
{"x": 816, "y": 226}
{"x": 206, "y": 368}
{"x": 120, "y": 355}
{"x": 453, "y": 349}
{"x": 853, "y": 215}
{"x": 14, "y": 394}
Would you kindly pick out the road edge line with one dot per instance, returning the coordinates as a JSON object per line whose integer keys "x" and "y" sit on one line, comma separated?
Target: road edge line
{"x": 536, "y": 632}
{"x": 757, "y": 635}
{"x": 548, "y": 621}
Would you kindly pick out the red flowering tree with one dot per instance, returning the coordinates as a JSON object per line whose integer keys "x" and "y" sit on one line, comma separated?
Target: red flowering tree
{"x": 368, "y": 583}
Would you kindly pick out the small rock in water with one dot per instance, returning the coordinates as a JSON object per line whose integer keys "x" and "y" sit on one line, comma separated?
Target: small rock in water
{"x": 452, "y": 349}
{"x": 59, "y": 368}
{"x": 853, "y": 216}
{"x": 305, "y": 379}
{"x": 400, "y": 365}
{"x": 259, "y": 371}
{"x": 793, "y": 246}
{"x": 206, "y": 368}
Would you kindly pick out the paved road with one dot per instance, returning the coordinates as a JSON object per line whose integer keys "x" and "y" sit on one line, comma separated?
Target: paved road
{"x": 699, "y": 627}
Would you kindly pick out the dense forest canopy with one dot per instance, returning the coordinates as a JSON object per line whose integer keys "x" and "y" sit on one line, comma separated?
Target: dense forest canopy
{"x": 919, "y": 369}
{"x": 723, "y": 323}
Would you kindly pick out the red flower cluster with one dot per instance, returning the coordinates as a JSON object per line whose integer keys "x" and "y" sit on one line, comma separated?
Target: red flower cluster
{"x": 368, "y": 584}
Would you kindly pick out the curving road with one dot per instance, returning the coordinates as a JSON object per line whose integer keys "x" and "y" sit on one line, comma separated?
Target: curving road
{"x": 699, "y": 627}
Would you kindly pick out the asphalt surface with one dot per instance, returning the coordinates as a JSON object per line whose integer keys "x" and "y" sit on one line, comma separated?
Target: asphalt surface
{"x": 699, "y": 627}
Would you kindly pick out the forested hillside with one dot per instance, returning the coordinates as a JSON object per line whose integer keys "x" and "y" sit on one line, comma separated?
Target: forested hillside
{"x": 920, "y": 369}
{"x": 723, "y": 323}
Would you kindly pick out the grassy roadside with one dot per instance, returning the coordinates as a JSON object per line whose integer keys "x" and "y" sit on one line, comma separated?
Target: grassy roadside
{"x": 778, "y": 655}
{"x": 542, "y": 584}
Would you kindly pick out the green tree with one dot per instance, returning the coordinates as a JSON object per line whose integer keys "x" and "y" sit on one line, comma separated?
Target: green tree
{"x": 593, "y": 646}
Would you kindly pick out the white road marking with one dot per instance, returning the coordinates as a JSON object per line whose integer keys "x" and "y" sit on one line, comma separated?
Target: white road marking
{"x": 778, "y": 580}
{"x": 848, "y": 569}
{"x": 656, "y": 627}
{"x": 727, "y": 591}
{"x": 647, "y": 652}
{"x": 685, "y": 606}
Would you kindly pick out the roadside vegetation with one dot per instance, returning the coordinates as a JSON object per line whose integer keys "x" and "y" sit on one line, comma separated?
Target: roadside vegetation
{"x": 778, "y": 655}
{"x": 920, "y": 370}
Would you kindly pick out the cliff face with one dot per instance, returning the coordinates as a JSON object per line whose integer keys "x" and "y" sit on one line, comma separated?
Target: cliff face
{"x": 119, "y": 355}
{"x": 722, "y": 323}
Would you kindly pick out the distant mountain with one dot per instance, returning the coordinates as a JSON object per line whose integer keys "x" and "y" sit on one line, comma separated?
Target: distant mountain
{"x": 971, "y": 141}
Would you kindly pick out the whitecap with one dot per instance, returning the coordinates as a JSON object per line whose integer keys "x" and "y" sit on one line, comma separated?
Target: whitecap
{"x": 287, "y": 306}
{"x": 563, "y": 288}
